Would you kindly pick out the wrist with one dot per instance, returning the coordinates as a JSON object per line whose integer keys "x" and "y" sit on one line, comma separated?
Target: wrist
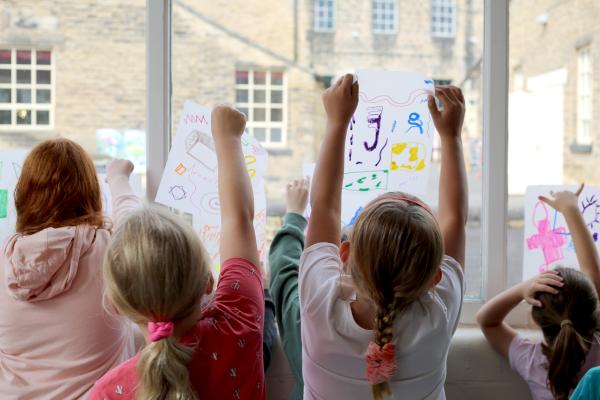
{"x": 451, "y": 138}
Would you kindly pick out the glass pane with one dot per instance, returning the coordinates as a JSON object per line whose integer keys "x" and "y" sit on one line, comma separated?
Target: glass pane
{"x": 276, "y": 114}
{"x": 43, "y": 57}
{"x": 244, "y": 110}
{"x": 260, "y": 77}
{"x": 4, "y": 75}
{"x": 5, "y": 117}
{"x": 241, "y": 96}
{"x": 23, "y": 76}
{"x": 554, "y": 129}
{"x": 5, "y": 96}
{"x": 241, "y": 77}
{"x": 260, "y": 134}
{"x": 275, "y": 135}
{"x": 276, "y": 78}
{"x": 259, "y": 114}
{"x": 23, "y": 95}
{"x": 23, "y": 57}
{"x": 43, "y": 117}
{"x": 260, "y": 96}
{"x": 5, "y": 56}
{"x": 276, "y": 96}
{"x": 24, "y": 117}
{"x": 43, "y": 77}
{"x": 42, "y": 96}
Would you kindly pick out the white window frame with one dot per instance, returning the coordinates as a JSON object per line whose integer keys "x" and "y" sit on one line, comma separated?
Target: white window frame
{"x": 495, "y": 138}
{"x": 320, "y": 22}
{"x": 380, "y": 14}
{"x": 33, "y": 85}
{"x": 584, "y": 95}
{"x": 443, "y": 9}
{"x": 250, "y": 105}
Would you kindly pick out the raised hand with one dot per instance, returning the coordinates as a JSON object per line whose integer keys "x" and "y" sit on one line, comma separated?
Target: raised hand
{"x": 449, "y": 120}
{"x": 118, "y": 167}
{"x": 296, "y": 197}
{"x": 227, "y": 121}
{"x": 340, "y": 100}
{"x": 547, "y": 282}
{"x": 563, "y": 200}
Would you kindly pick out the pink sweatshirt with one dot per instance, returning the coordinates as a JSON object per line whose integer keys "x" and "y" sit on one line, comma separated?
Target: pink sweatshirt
{"x": 56, "y": 339}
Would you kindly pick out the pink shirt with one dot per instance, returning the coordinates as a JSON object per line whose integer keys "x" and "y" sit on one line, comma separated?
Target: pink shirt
{"x": 228, "y": 362}
{"x": 526, "y": 358}
{"x": 56, "y": 339}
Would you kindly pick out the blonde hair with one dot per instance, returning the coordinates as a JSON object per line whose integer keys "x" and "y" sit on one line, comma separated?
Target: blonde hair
{"x": 156, "y": 269}
{"x": 396, "y": 251}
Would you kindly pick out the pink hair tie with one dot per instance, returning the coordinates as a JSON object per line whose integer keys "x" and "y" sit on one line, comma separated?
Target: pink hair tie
{"x": 399, "y": 198}
{"x": 160, "y": 330}
{"x": 381, "y": 362}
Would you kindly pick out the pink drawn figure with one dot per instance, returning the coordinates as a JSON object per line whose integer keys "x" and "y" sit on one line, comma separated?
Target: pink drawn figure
{"x": 550, "y": 241}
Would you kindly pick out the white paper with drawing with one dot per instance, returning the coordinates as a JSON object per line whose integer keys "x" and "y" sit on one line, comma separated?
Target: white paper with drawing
{"x": 547, "y": 241}
{"x": 389, "y": 139}
{"x": 189, "y": 182}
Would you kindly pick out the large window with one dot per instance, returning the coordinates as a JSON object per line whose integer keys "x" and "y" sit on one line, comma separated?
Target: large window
{"x": 443, "y": 18}
{"x": 383, "y": 16}
{"x": 324, "y": 15}
{"x": 26, "y": 88}
{"x": 260, "y": 94}
{"x": 584, "y": 95}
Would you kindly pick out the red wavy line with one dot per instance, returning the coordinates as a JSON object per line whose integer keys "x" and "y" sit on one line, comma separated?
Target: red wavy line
{"x": 377, "y": 99}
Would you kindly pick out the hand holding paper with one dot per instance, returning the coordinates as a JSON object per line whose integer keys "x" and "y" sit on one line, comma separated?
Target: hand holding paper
{"x": 448, "y": 121}
{"x": 118, "y": 167}
{"x": 340, "y": 101}
{"x": 227, "y": 121}
{"x": 563, "y": 200}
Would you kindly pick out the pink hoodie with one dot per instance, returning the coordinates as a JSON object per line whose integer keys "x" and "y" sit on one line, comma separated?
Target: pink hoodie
{"x": 56, "y": 339}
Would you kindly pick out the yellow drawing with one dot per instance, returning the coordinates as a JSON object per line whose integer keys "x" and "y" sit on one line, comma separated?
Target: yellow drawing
{"x": 250, "y": 159}
{"x": 408, "y": 156}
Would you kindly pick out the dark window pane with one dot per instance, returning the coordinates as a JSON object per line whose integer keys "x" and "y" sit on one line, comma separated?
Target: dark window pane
{"x": 4, "y": 95}
{"x": 259, "y": 114}
{"x": 23, "y": 57}
{"x": 5, "y": 56}
{"x": 23, "y": 95}
{"x": 276, "y": 114}
{"x": 276, "y": 135}
{"x": 23, "y": 76}
{"x": 4, "y": 117}
{"x": 24, "y": 117}
{"x": 260, "y": 96}
{"x": 4, "y": 75}
{"x": 276, "y": 96}
{"x": 260, "y": 77}
{"x": 244, "y": 111}
{"x": 43, "y": 117}
{"x": 42, "y": 96}
{"x": 43, "y": 57}
{"x": 43, "y": 77}
{"x": 241, "y": 96}
{"x": 276, "y": 78}
{"x": 260, "y": 134}
{"x": 241, "y": 77}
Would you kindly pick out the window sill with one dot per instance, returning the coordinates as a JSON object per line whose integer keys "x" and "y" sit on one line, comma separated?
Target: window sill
{"x": 577, "y": 148}
{"x": 278, "y": 151}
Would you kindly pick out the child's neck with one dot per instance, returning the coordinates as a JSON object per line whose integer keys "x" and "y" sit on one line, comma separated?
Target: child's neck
{"x": 364, "y": 312}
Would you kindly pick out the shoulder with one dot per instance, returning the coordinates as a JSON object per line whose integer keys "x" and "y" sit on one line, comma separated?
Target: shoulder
{"x": 451, "y": 288}
{"x": 525, "y": 356}
{"x": 118, "y": 383}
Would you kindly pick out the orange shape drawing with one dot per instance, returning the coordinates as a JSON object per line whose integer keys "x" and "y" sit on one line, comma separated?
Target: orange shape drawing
{"x": 180, "y": 169}
{"x": 408, "y": 156}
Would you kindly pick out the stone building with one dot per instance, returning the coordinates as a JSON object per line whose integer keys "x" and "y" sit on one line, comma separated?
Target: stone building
{"x": 71, "y": 67}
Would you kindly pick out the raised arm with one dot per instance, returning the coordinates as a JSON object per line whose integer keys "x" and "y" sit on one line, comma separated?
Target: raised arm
{"x": 235, "y": 192}
{"x": 453, "y": 192}
{"x": 492, "y": 314}
{"x": 340, "y": 102}
{"x": 585, "y": 248}
{"x": 124, "y": 201}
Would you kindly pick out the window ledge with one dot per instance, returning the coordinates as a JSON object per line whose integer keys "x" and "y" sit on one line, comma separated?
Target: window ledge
{"x": 278, "y": 151}
{"x": 577, "y": 148}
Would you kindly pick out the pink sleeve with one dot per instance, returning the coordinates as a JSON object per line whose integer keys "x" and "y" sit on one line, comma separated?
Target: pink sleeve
{"x": 240, "y": 293}
{"x": 124, "y": 201}
{"x": 522, "y": 356}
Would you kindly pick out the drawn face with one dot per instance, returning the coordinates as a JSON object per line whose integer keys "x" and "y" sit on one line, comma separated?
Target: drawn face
{"x": 590, "y": 209}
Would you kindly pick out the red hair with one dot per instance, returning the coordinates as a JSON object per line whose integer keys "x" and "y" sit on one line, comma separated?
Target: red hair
{"x": 58, "y": 187}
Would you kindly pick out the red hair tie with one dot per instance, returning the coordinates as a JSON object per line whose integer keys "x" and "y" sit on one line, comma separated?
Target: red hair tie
{"x": 381, "y": 362}
{"x": 160, "y": 330}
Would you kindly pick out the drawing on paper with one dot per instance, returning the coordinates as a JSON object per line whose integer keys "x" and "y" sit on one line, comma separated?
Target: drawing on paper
{"x": 3, "y": 203}
{"x": 200, "y": 146}
{"x": 178, "y": 192}
{"x": 17, "y": 169}
{"x": 590, "y": 209}
{"x": 549, "y": 240}
{"x": 408, "y": 156}
{"x": 209, "y": 202}
{"x": 374, "y": 121}
{"x": 414, "y": 121}
{"x": 180, "y": 169}
{"x": 365, "y": 181}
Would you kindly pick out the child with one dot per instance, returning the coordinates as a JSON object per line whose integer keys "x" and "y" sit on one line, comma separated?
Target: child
{"x": 55, "y": 338}
{"x": 156, "y": 272}
{"x": 394, "y": 337}
{"x": 589, "y": 386}
{"x": 565, "y": 308}
{"x": 284, "y": 257}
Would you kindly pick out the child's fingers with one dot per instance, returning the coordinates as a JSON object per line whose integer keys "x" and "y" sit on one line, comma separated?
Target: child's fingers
{"x": 578, "y": 192}
{"x": 443, "y": 96}
{"x": 432, "y": 107}
{"x": 533, "y": 302}
{"x": 347, "y": 83}
{"x": 546, "y": 200}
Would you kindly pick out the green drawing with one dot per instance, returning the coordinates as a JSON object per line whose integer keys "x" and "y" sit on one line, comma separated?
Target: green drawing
{"x": 3, "y": 203}
{"x": 365, "y": 181}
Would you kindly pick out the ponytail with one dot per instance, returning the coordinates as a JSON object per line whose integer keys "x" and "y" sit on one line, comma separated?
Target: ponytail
{"x": 163, "y": 371}
{"x": 565, "y": 356}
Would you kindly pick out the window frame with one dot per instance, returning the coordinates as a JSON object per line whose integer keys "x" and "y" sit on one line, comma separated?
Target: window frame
{"x": 394, "y": 19}
{"x": 13, "y": 106}
{"x": 585, "y": 95}
{"x": 436, "y": 4}
{"x": 494, "y": 226}
{"x": 316, "y": 19}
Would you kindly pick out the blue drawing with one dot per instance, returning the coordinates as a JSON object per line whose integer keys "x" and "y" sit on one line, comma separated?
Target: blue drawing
{"x": 394, "y": 125}
{"x": 414, "y": 120}
{"x": 428, "y": 81}
{"x": 356, "y": 214}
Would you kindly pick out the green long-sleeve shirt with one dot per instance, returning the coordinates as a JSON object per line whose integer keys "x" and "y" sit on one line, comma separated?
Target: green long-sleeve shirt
{"x": 284, "y": 258}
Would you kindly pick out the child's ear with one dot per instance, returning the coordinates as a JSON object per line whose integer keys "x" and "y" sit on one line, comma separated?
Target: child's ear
{"x": 437, "y": 278}
{"x": 210, "y": 284}
{"x": 345, "y": 251}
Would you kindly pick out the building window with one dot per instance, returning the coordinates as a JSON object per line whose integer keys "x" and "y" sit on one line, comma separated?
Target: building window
{"x": 324, "y": 15}
{"x": 26, "y": 80}
{"x": 443, "y": 18}
{"x": 383, "y": 16}
{"x": 260, "y": 94}
{"x": 584, "y": 96}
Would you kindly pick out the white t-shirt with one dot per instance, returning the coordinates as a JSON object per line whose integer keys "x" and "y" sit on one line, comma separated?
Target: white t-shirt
{"x": 334, "y": 345}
